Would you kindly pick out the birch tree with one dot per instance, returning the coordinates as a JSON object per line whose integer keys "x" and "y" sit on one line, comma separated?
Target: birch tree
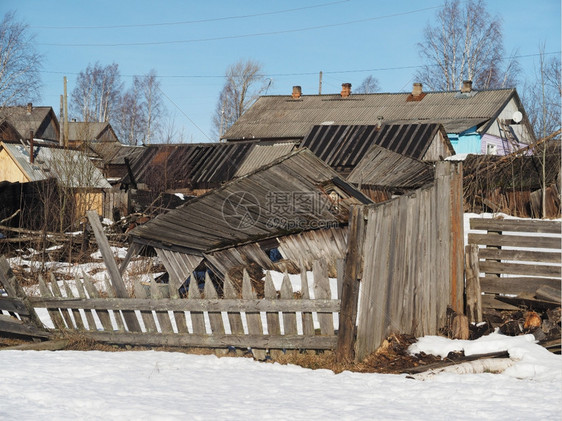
{"x": 97, "y": 93}
{"x": 244, "y": 83}
{"x": 369, "y": 85}
{"x": 19, "y": 63}
{"x": 464, "y": 42}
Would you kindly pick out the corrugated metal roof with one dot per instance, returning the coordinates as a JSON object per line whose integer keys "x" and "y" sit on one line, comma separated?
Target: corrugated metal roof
{"x": 275, "y": 117}
{"x": 263, "y": 154}
{"x": 342, "y": 147}
{"x": 384, "y": 168}
{"x": 203, "y": 165}
{"x": 289, "y": 195}
{"x": 70, "y": 167}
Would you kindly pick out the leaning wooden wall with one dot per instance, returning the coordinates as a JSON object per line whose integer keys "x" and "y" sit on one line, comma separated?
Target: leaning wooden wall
{"x": 410, "y": 262}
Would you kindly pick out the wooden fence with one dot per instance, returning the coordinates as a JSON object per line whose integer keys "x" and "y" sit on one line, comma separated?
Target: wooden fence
{"x": 278, "y": 321}
{"x": 514, "y": 257}
{"x": 404, "y": 265}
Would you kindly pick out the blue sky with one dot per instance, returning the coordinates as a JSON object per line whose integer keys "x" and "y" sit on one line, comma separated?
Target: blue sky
{"x": 346, "y": 40}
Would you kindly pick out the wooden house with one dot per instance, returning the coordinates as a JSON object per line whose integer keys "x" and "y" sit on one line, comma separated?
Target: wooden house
{"x": 80, "y": 132}
{"x": 487, "y": 121}
{"x": 17, "y": 122}
{"x": 295, "y": 208}
{"x": 72, "y": 169}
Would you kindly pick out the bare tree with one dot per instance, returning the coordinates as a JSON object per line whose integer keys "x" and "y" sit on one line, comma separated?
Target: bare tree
{"x": 464, "y": 42}
{"x": 152, "y": 106}
{"x": 369, "y": 85}
{"x": 138, "y": 118}
{"x": 97, "y": 93}
{"x": 243, "y": 86}
{"x": 542, "y": 99}
{"x": 19, "y": 63}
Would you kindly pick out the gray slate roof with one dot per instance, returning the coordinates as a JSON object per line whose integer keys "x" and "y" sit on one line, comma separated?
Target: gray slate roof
{"x": 24, "y": 121}
{"x": 283, "y": 117}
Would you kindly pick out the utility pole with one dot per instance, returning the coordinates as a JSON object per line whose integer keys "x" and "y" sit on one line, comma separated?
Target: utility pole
{"x": 65, "y": 115}
{"x": 61, "y": 116}
{"x": 320, "y": 84}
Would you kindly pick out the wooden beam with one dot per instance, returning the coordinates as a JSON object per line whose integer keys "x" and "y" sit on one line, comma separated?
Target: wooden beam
{"x": 170, "y": 304}
{"x": 120, "y": 289}
{"x": 350, "y": 289}
{"x": 215, "y": 341}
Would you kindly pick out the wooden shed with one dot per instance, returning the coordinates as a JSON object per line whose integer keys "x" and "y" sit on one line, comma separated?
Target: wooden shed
{"x": 296, "y": 206}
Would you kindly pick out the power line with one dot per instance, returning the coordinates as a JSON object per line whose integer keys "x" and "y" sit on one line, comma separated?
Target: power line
{"x": 257, "y": 34}
{"x": 188, "y": 22}
{"x": 377, "y": 69}
{"x": 185, "y": 115}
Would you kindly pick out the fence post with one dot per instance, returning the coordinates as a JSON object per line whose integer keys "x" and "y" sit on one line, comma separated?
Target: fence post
{"x": 345, "y": 349}
{"x": 473, "y": 292}
{"x": 120, "y": 289}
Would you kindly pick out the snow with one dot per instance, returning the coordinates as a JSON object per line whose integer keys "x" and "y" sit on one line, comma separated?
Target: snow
{"x": 532, "y": 362}
{"x": 147, "y": 385}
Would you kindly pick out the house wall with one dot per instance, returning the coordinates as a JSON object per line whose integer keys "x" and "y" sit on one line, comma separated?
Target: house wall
{"x": 437, "y": 149}
{"x": 9, "y": 171}
{"x": 520, "y": 129}
{"x": 88, "y": 200}
{"x": 469, "y": 141}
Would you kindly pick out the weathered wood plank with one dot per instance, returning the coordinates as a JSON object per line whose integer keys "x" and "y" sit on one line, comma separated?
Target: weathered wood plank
{"x": 161, "y": 315}
{"x": 307, "y": 319}
{"x": 215, "y": 317}
{"x": 75, "y": 313}
{"x": 219, "y": 341}
{"x": 15, "y": 290}
{"x": 495, "y": 239}
{"x": 548, "y": 293}
{"x": 88, "y": 312}
{"x": 520, "y": 255}
{"x": 353, "y": 265}
{"x": 272, "y": 317}
{"x": 253, "y": 319}
{"x": 53, "y": 311}
{"x": 473, "y": 291}
{"x": 520, "y": 269}
{"x": 515, "y": 285}
{"x": 146, "y": 314}
{"x": 179, "y": 316}
{"x": 322, "y": 291}
{"x": 197, "y": 317}
{"x": 289, "y": 317}
{"x": 116, "y": 314}
{"x": 113, "y": 270}
{"x": 10, "y": 324}
{"x": 234, "y": 304}
{"x": 516, "y": 225}
{"x": 14, "y": 305}
{"x": 489, "y": 301}
{"x": 234, "y": 317}
{"x": 103, "y": 315}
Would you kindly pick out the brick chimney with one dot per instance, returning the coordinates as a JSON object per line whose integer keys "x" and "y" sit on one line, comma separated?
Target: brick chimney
{"x": 466, "y": 86}
{"x": 31, "y": 158}
{"x": 345, "y": 90}
{"x": 297, "y": 92}
{"x": 29, "y": 107}
{"x": 417, "y": 89}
